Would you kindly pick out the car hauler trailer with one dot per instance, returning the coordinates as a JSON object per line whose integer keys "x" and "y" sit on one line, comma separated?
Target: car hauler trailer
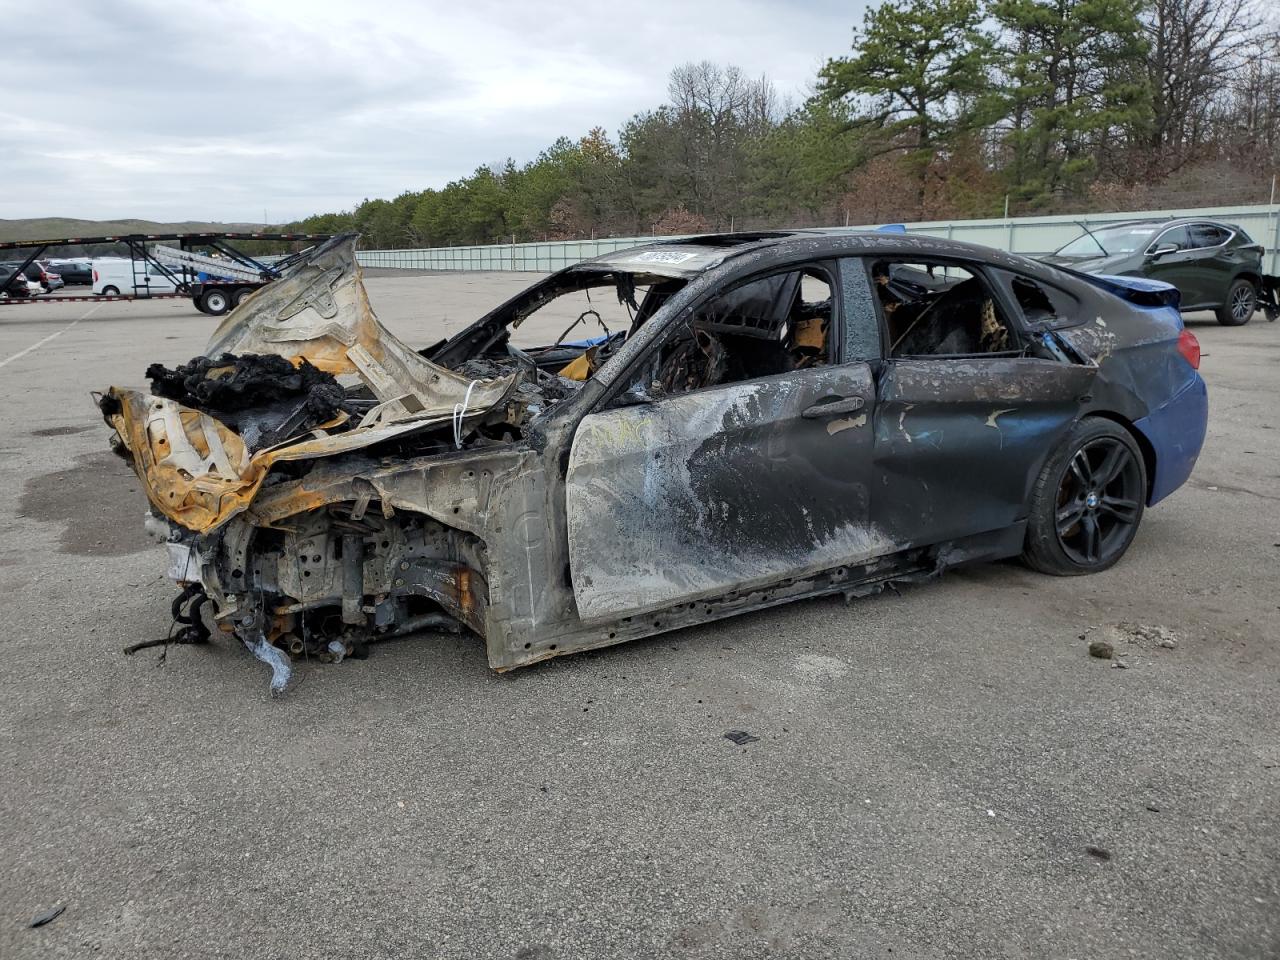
{"x": 234, "y": 274}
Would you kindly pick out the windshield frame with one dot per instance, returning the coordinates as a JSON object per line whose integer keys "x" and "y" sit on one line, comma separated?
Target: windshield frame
{"x": 1094, "y": 242}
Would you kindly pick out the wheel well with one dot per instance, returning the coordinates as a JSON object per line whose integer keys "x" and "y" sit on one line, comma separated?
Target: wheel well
{"x": 1252, "y": 277}
{"x": 1148, "y": 451}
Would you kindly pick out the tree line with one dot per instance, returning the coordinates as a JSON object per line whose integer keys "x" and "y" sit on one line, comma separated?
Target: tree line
{"x": 941, "y": 109}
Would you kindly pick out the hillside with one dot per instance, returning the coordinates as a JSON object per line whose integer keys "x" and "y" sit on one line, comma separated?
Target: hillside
{"x": 48, "y": 228}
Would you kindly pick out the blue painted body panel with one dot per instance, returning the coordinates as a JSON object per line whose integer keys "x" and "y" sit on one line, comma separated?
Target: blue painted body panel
{"x": 1139, "y": 290}
{"x": 586, "y": 343}
{"x": 1147, "y": 380}
{"x": 1176, "y": 431}
{"x": 1144, "y": 284}
{"x": 1175, "y": 396}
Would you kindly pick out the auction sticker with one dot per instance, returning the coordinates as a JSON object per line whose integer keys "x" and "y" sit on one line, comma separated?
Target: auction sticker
{"x": 663, "y": 256}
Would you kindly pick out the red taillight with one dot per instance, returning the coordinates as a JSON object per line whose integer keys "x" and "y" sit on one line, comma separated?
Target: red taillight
{"x": 95, "y": 276}
{"x": 1189, "y": 347}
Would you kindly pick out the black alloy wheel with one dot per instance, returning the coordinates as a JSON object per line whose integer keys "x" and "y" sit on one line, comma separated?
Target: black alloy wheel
{"x": 1242, "y": 301}
{"x": 1087, "y": 501}
{"x": 1099, "y": 502}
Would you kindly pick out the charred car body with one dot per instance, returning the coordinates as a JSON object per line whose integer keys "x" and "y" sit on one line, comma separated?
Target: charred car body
{"x": 788, "y": 415}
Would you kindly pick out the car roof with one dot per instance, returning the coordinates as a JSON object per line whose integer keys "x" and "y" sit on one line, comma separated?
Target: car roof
{"x": 1166, "y": 222}
{"x": 682, "y": 256}
{"x": 688, "y": 256}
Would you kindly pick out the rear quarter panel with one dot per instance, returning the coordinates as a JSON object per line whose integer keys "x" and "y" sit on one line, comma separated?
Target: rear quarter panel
{"x": 1144, "y": 380}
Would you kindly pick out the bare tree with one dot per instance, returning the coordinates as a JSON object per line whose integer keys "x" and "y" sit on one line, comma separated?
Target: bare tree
{"x": 1246, "y": 126}
{"x": 1197, "y": 49}
{"x": 716, "y": 112}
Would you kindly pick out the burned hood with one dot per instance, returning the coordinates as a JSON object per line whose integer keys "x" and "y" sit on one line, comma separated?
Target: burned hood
{"x": 321, "y": 313}
{"x": 264, "y": 391}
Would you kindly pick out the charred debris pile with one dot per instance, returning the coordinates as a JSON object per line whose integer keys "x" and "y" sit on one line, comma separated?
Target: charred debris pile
{"x": 268, "y": 400}
{"x": 263, "y": 398}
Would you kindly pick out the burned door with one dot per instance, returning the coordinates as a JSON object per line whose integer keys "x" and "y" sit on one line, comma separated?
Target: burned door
{"x": 969, "y": 405}
{"x": 736, "y": 476}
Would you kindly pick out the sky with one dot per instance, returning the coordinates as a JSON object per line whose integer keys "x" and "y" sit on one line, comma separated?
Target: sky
{"x": 242, "y": 111}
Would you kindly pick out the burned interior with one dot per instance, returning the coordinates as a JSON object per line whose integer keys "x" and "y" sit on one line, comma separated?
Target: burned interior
{"x": 723, "y": 424}
{"x": 769, "y": 325}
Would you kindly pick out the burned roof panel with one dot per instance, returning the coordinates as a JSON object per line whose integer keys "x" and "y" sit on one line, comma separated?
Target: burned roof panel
{"x": 686, "y": 256}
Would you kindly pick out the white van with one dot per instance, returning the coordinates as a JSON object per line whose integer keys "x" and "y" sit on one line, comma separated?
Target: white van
{"x": 113, "y": 276}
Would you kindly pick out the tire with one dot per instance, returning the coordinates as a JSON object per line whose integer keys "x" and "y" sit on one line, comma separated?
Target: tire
{"x": 1087, "y": 502}
{"x": 110, "y": 291}
{"x": 1241, "y": 302}
{"x": 242, "y": 294}
{"x": 215, "y": 302}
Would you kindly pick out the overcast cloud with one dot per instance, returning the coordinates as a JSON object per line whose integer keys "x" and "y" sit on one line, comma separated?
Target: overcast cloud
{"x": 223, "y": 109}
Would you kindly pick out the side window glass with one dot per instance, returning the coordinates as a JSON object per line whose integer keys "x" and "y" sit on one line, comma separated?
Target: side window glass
{"x": 1177, "y": 236}
{"x": 938, "y": 310}
{"x": 1207, "y": 235}
{"x": 770, "y": 325}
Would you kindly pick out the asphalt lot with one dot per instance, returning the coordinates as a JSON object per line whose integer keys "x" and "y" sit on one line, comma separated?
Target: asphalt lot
{"x": 931, "y": 773}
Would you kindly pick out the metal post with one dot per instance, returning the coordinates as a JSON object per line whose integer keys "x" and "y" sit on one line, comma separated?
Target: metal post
{"x": 1275, "y": 242}
{"x": 35, "y": 253}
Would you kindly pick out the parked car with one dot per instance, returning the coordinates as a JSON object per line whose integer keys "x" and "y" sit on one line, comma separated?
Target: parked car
{"x": 40, "y": 273}
{"x": 113, "y": 276}
{"x": 786, "y": 415}
{"x": 17, "y": 287}
{"x": 74, "y": 272}
{"x": 50, "y": 278}
{"x": 1215, "y": 266}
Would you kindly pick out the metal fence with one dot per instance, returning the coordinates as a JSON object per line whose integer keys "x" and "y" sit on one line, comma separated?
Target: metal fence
{"x": 1031, "y": 236}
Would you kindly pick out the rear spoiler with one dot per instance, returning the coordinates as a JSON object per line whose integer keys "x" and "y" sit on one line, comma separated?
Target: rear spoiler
{"x": 1137, "y": 290}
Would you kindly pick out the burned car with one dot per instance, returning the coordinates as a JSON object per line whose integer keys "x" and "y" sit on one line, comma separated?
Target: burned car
{"x": 785, "y": 415}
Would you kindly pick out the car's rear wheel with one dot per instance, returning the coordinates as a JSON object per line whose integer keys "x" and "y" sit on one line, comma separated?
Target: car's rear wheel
{"x": 1242, "y": 300}
{"x": 215, "y": 302}
{"x": 242, "y": 295}
{"x": 111, "y": 291}
{"x": 1087, "y": 502}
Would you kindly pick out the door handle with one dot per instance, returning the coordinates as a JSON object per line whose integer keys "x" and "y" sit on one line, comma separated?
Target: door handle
{"x": 833, "y": 407}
